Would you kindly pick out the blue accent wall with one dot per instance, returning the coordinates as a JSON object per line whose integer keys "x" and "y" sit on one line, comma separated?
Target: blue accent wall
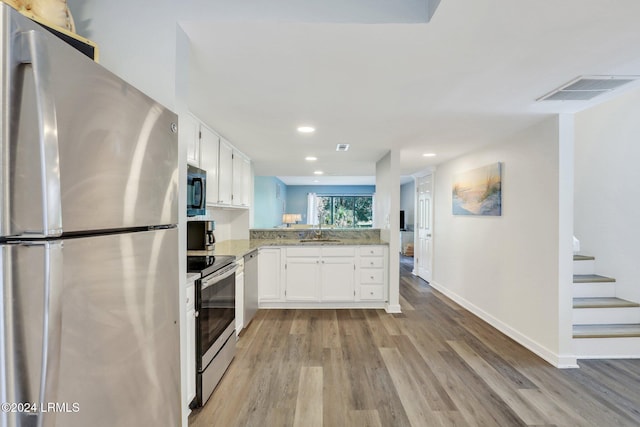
{"x": 269, "y": 203}
{"x": 297, "y": 195}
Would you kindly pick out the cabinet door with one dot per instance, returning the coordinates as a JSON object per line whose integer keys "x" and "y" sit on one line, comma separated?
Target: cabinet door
{"x": 238, "y": 171}
{"x": 338, "y": 279}
{"x": 225, "y": 173}
{"x": 302, "y": 279}
{"x": 190, "y": 130}
{"x": 269, "y": 275}
{"x": 191, "y": 355}
{"x": 209, "y": 161}
{"x": 246, "y": 182}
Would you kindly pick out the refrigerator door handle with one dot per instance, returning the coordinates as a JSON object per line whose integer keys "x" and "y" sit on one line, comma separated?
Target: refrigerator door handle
{"x": 32, "y": 50}
{"x": 51, "y": 332}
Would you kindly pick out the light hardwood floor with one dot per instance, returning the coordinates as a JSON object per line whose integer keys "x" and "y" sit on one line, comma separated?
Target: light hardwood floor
{"x": 435, "y": 364}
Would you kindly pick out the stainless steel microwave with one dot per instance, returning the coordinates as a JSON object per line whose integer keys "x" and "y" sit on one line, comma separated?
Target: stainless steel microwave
{"x": 196, "y": 191}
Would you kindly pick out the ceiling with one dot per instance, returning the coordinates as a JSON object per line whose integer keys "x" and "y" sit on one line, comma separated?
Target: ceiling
{"x": 468, "y": 78}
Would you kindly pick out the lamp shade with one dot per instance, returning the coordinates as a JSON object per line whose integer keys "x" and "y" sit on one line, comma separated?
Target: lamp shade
{"x": 290, "y": 218}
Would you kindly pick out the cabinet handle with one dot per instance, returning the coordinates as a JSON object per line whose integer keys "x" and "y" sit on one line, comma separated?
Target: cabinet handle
{"x": 372, "y": 277}
{"x": 371, "y": 293}
{"x": 372, "y": 263}
{"x": 323, "y": 261}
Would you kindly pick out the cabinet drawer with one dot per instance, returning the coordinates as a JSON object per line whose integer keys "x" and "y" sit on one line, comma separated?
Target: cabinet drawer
{"x": 371, "y": 250}
{"x": 371, "y": 262}
{"x": 338, "y": 251}
{"x": 371, "y": 292}
{"x": 191, "y": 296}
{"x": 306, "y": 252}
{"x": 370, "y": 275}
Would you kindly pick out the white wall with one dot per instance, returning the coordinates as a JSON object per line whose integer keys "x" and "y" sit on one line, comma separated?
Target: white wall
{"x": 231, "y": 223}
{"x": 607, "y": 178}
{"x": 387, "y": 219}
{"x": 137, "y": 39}
{"x": 506, "y": 269}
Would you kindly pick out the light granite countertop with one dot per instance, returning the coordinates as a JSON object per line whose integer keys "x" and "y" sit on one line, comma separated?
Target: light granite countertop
{"x": 240, "y": 248}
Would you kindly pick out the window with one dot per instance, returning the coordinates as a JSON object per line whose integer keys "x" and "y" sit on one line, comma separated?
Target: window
{"x": 346, "y": 211}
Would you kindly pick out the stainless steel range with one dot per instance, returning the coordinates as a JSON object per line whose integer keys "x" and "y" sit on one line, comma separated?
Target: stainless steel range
{"x": 215, "y": 320}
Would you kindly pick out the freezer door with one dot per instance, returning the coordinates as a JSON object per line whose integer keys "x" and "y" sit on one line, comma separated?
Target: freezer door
{"x": 82, "y": 149}
{"x": 90, "y": 331}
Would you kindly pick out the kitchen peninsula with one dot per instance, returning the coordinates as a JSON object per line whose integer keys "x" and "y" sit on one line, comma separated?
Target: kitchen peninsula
{"x": 303, "y": 268}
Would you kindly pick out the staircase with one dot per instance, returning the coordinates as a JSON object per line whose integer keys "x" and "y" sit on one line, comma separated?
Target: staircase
{"x": 604, "y": 326}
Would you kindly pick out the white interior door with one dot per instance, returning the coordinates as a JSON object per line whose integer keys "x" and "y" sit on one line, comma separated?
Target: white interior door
{"x": 423, "y": 254}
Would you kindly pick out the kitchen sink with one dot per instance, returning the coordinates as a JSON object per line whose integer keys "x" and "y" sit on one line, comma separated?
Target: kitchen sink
{"x": 319, "y": 240}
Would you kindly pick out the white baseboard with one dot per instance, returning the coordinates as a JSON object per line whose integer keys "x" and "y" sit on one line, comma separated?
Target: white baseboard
{"x": 392, "y": 308}
{"x": 557, "y": 360}
{"x": 313, "y": 305}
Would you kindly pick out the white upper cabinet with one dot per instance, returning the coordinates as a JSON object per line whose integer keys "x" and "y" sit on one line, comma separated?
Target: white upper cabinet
{"x": 241, "y": 180}
{"x": 246, "y": 182}
{"x": 228, "y": 170}
{"x": 209, "y": 141}
{"x": 225, "y": 173}
{"x": 190, "y": 128}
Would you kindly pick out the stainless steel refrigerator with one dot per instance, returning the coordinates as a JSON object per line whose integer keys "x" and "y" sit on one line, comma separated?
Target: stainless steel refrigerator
{"x": 88, "y": 241}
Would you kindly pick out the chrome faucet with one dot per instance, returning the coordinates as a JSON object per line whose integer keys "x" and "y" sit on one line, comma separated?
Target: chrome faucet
{"x": 318, "y": 232}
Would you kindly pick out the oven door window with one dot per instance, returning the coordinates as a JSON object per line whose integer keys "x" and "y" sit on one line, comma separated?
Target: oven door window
{"x": 217, "y": 311}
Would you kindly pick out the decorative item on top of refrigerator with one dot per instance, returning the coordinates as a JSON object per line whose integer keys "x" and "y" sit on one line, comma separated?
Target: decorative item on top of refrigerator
{"x": 88, "y": 241}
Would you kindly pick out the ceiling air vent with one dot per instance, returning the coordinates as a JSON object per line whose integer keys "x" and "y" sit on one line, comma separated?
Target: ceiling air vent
{"x": 587, "y": 87}
{"x": 342, "y": 147}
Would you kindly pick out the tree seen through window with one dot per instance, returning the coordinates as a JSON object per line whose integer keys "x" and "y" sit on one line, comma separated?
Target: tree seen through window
{"x": 346, "y": 211}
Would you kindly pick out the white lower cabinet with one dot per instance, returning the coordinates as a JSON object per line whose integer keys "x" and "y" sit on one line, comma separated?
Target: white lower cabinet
{"x": 191, "y": 344}
{"x": 269, "y": 269}
{"x": 301, "y": 278}
{"x": 320, "y": 273}
{"x": 323, "y": 276}
{"x": 373, "y": 273}
{"x": 239, "y": 297}
{"x": 338, "y": 273}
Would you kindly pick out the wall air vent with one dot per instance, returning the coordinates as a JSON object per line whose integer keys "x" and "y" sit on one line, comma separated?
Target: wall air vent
{"x": 342, "y": 147}
{"x": 585, "y": 88}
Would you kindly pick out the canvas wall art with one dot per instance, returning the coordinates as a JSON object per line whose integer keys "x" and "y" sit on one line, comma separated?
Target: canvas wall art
{"x": 478, "y": 191}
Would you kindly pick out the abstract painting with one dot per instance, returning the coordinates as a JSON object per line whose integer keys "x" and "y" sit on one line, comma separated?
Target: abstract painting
{"x": 478, "y": 191}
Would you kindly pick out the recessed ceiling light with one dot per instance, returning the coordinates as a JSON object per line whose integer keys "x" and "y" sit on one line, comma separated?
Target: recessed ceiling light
{"x": 429, "y": 155}
{"x": 311, "y": 158}
{"x": 342, "y": 147}
{"x": 318, "y": 172}
{"x": 306, "y": 129}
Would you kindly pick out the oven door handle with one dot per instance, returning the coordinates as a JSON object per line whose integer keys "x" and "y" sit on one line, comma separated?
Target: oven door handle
{"x": 219, "y": 275}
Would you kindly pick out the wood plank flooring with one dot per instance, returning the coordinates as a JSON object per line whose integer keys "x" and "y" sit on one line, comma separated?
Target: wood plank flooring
{"x": 435, "y": 364}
